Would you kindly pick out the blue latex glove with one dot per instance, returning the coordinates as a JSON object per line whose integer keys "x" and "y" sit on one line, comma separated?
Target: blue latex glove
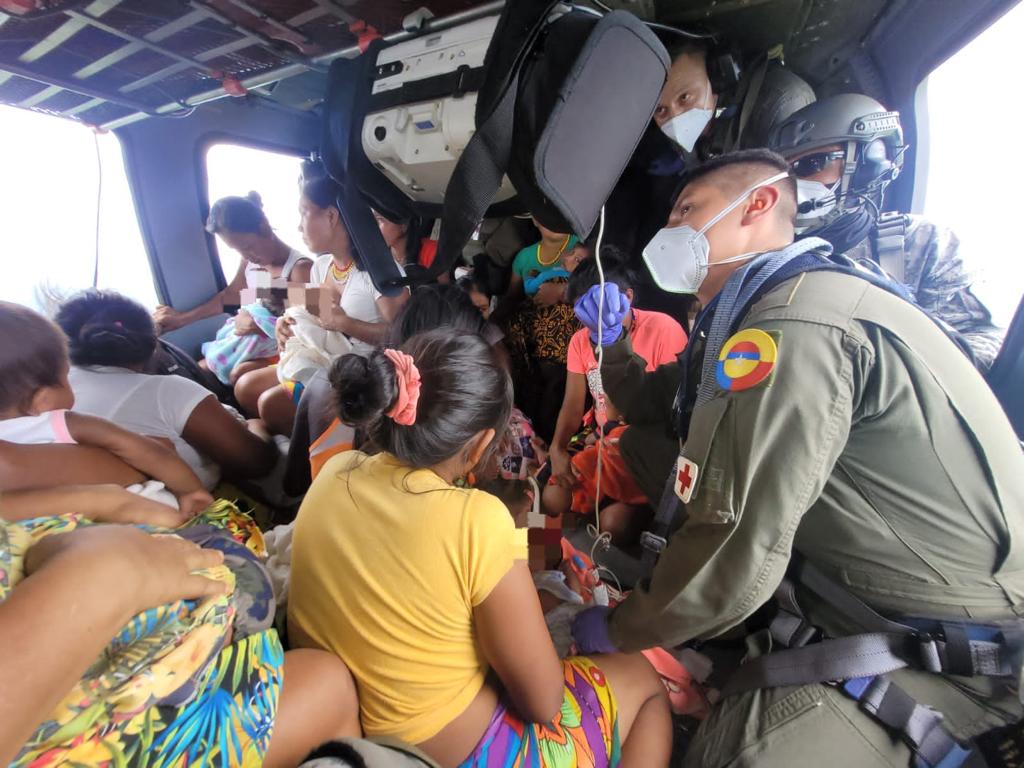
{"x": 590, "y": 631}
{"x": 616, "y": 307}
{"x": 533, "y": 284}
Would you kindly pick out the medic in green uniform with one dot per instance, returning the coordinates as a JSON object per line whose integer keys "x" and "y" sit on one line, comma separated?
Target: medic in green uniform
{"x": 839, "y": 453}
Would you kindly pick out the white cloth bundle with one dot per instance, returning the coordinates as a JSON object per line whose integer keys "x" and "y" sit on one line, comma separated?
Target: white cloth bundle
{"x": 310, "y": 348}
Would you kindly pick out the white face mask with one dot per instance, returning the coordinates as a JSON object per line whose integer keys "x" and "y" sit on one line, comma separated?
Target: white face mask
{"x": 814, "y": 202}
{"x": 677, "y": 257}
{"x": 686, "y": 127}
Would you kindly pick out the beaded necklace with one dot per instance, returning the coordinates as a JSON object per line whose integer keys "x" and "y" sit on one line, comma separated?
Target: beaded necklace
{"x": 340, "y": 274}
{"x": 557, "y": 255}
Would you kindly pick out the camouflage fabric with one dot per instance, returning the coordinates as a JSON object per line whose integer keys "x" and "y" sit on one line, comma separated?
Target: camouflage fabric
{"x": 941, "y": 283}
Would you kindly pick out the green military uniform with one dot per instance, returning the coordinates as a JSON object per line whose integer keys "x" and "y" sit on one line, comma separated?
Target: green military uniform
{"x": 875, "y": 451}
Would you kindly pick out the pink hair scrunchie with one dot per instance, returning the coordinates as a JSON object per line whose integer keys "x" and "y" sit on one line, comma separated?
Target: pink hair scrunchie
{"x": 404, "y": 410}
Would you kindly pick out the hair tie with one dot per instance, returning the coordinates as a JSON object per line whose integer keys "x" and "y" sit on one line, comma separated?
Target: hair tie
{"x": 408, "y": 376}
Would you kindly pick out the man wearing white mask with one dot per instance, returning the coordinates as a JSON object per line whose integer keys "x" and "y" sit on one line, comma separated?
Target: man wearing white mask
{"x": 687, "y": 103}
{"x": 844, "y": 151}
{"x": 839, "y": 453}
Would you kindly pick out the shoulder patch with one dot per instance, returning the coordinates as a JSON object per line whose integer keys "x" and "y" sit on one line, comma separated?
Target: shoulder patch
{"x": 747, "y": 359}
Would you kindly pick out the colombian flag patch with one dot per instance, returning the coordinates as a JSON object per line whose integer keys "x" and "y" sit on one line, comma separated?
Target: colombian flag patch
{"x": 747, "y": 359}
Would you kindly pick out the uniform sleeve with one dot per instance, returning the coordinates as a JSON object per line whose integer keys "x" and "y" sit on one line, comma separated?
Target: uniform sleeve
{"x": 490, "y": 544}
{"x": 576, "y": 354}
{"x": 763, "y": 457}
{"x": 644, "y": 398}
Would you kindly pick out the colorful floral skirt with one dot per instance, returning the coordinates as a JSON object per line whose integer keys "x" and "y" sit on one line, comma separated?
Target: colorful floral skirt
{"x": 169, "y": 689}
{"x": 584, "y": 734}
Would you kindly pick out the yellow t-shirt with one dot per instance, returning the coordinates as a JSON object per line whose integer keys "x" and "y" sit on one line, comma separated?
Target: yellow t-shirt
{"x": 387, "y": 566}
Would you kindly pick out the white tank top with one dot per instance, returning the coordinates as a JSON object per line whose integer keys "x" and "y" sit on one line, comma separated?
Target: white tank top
{"x": 251, "y": 270}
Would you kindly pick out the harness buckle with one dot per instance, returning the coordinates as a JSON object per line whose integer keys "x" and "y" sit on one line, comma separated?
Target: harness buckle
{"x": 653, "y": 543}
{"x": 804, "y": 635}
{"x": 461, "y": 81}
{"x": 928, "y": 650}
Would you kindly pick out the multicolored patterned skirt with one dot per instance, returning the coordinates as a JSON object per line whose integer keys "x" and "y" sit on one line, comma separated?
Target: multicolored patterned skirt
{"x": 191, "y": 683}
{"x": 584, "y": 734}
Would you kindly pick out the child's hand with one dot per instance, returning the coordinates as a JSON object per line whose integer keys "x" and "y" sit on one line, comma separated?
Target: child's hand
{"x": 561, "y": 468}
{"x": 540, "y": 449}
{"x": 283, "y": 331}
{"x": 113, "y": 504}
{"x": 192, "y": 503}
{"x": 244, "y": 324}
{"x": 550, "y": 293}
{"x": 332, "y": 316}
{"x": 143, "y": 570}
{"x": 167, "y": 319}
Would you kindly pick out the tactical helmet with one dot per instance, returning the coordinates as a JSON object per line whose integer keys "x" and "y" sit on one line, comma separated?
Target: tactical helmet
{"x": 783, "y": 93}
{"x": 871, "y": 135}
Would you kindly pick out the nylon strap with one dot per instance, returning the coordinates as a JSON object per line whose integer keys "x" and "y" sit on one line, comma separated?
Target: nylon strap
{"x": 919, "y": 726}
{"x": 475, "y": 180}
{"x": 463, "y": 80}
{"x": 887, "y": 646}
{"x": 890, "y": 236}
{"x": 841, "y": 658}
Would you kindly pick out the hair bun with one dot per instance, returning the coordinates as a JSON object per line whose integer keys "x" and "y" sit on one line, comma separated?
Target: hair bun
{"x": 110, "y": 344}
{"x": 255, "y": 198}
{"x": 105, "y": 335}
{"x": 364, "y": 387}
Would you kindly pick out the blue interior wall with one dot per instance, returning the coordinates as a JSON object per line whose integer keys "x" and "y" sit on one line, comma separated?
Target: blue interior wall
{"x": 164, "y": 158}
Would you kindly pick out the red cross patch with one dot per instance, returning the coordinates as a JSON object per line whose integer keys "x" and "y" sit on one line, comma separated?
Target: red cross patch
{"x": 686, "y": 478}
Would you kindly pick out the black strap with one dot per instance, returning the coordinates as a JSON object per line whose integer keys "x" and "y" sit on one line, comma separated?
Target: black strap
{"x": 475, "y": 180}
{"x": 655, "y": 539}
{"x": 457, "y": 83}
{"x": 959, "y": 660}
{"x": 890, "y": 236}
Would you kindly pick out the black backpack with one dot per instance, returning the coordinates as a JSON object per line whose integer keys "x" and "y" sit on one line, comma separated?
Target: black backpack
{"x": 170, "y": 360}
{"x": 563, "y": 101}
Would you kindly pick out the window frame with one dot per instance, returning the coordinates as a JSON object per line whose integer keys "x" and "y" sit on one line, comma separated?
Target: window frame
{"x": 206, "y": 142}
